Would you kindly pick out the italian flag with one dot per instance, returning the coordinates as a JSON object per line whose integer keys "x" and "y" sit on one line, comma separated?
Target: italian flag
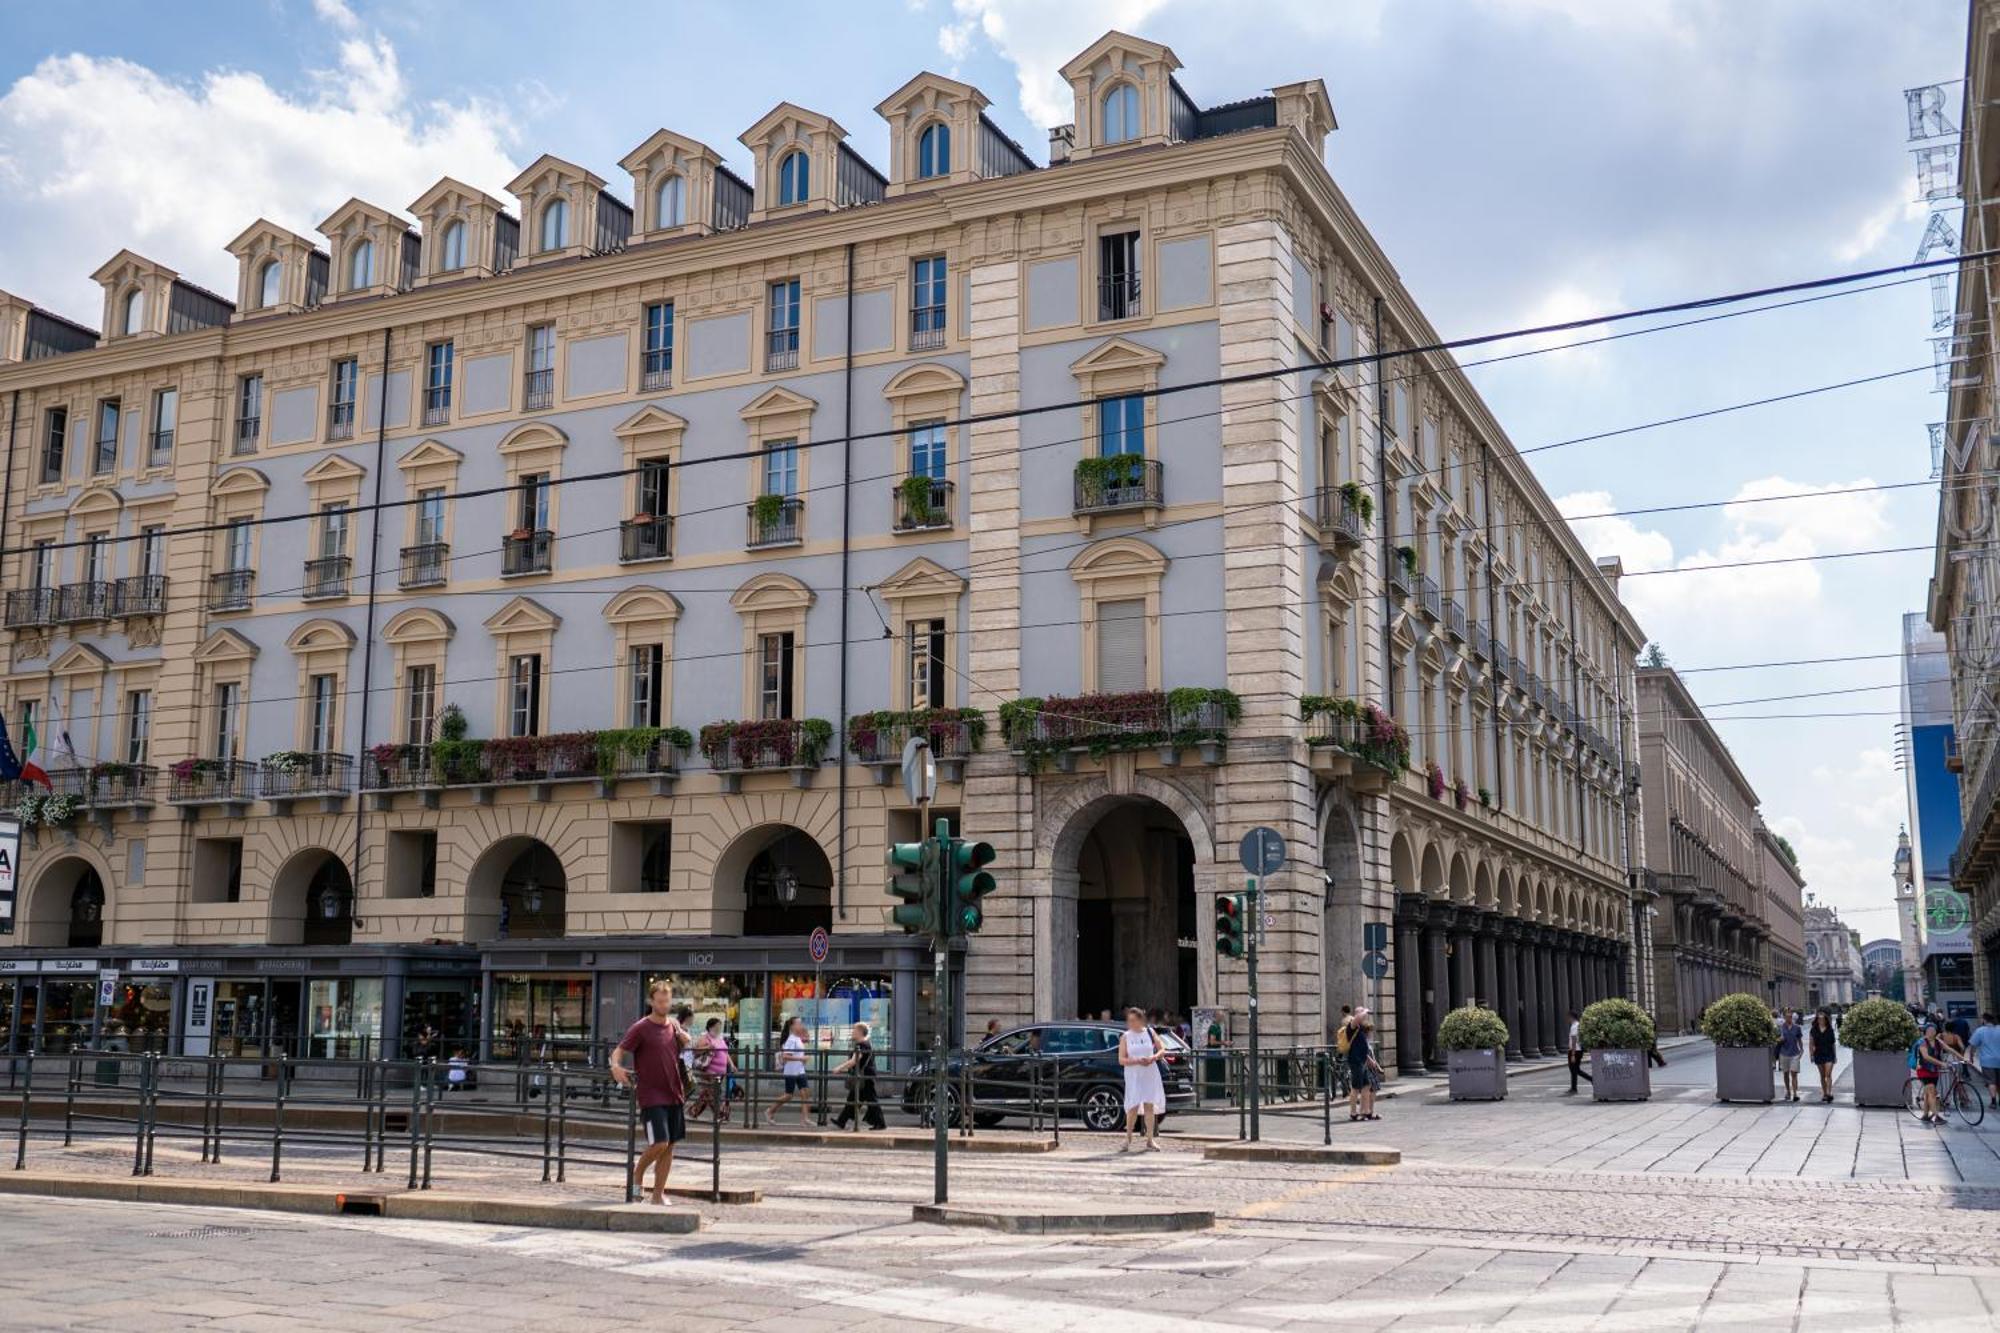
{"x": 30, "y": 770}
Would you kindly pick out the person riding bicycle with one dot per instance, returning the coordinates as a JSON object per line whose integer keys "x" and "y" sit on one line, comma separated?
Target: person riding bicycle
{"x": 1933, "y": 1056}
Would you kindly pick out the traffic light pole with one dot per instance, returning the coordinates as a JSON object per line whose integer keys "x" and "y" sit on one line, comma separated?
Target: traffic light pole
{"x": 1252, "y": 929}
{"x": 940, "y": 1012}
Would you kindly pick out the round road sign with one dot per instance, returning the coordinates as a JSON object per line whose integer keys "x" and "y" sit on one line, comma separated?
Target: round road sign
{"x": 1263, "y": 850}
{"x": 817, "y": 944}
{"x": 1374, "y": 965}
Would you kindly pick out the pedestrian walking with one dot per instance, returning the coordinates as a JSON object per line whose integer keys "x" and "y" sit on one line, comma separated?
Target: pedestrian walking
{"x": 654, "y": 1043}
{"x": 1576, "y": 1052}
{"x": 859, "y": 1067}
{"x": 1791, "y": 1045}
{"x": 1932, "y": 1057}
{"x": 792, "y": 1066}
{"x": 712, "y": 1067}
{"x": 1653, "y": 1055}
{"x": 1823, "y": 1054}
{"x": 1985, "y": 1048}
{"x": 1140, "y": 1051}
{"x": 1364, "y": 1076}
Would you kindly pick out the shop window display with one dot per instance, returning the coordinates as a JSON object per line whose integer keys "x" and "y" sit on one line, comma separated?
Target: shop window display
{"x": 542, "y": 1018}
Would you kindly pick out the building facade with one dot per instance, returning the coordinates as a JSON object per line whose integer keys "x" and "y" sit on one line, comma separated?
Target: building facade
{"x": 1834, "y": 975}
{"x": 1784, "y": 915}
{"x": 1931, "y": 768}
{"x": 504, "y": 602}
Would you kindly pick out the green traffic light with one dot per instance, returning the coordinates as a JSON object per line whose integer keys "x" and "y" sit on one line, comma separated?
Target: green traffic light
{"x": 1229, "y": 925}
{"x": 917, "y": 913}
{"x": 970, "y": 883}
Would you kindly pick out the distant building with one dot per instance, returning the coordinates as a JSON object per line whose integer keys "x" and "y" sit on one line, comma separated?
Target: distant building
{"x": 1882, "y": 969}
{"x": 1833, "y": 958}
{"x": 1943, "y": 913}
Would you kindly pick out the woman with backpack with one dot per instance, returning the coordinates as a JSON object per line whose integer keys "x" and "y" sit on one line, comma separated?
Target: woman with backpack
{"x": 1363, "y": 1073}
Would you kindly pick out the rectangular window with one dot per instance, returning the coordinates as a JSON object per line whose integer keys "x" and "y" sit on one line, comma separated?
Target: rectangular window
{"x": 333, "y": 531}
{"x": 97, "y": 558}
{"x": 1118, "y": 275}
{"x": 42, "y": 570}
{"x": 31, "y": 715}
{"x": 236, "y": 552}
{"x": 927, "y": 450}
{"x": 524, "y": 703}
{"x": 249, "y": 412}
{"x": 322, "y": 736}
{"x": 656, "y": 858}
{"x": 346, "y": 389}
{"x": 105, "y": 457}
{"x": 658, "y": 370}
{"x": 430, "y": 516}
{"x": 152, "y": 550}
{"x": 138, "y": 725}
{"x": 1121, "y": 426}
{"x": 782, "y": 333}
{"x": 1121, "y": 646}
{"x": 420, "y": 715}
{"x": 532, "y": 501}
{"x": 774, "y": 684}
{"x": 540, "y": 389}
{"x": 924, "y": 643}
{"x": 166, "y": 415}
{"x": 55, "y": 441}
{"x": 226, "y": 702}
{"x": 652, "y": 497}
{"x": 437, "y": 384}
{"x": 1399, "y": 411}
{"x": 781, "y": 468}
{"x": 648, "y": 675}
{"x": 927, "y": 303}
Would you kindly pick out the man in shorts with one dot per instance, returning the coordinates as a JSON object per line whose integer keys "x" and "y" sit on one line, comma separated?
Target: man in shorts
{"x": 1985, "y": 1048}
{"x": 655, "y": 1044}
{"x": 1791, "y": 1045}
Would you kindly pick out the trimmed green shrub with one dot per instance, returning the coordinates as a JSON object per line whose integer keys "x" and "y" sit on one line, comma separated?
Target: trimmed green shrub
{"x": 1878, "y": 1025}
{"x": 1615, "y": 1025}
{"x": 1739, "y": 1020}
{"x": 1472, "y": 1028}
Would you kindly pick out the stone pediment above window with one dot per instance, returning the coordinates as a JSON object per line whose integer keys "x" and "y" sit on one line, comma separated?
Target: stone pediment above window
{"x": 373, "y": 251}
{"x": 80, "y": 660}
{"x": 225, "y": 645}
{"x": 926, "y": 104}
{"x": 96, "y": 500}
{"x": 660, "y": 206}
{"x": 651, "y": 423}
{"x": 241, "y": 481}
{"x": 772, "y": 592}
{"x": 319, "y": 636}
{"x": 776, "y": 403}
{"x": 487, "y": 240}
{"x": 430, "y": 454}
{"x": 532, "y": 438}
{"x": 419, "y": 625}
{"x": 642, "y": 605}
{"x": 334, "y": 468}
{"x": 523, "y": 615}
{"x": 922, "y": 577}
{"x": 278, "y": 271}
{"x": 927, "y": 378}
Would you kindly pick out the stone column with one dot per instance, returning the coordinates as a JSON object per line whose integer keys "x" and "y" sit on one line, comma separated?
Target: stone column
{"x": 1464, "y": 965}
{"x": 1485, "y": 958}
{"x": 1510, "y": 986}
{"x": 1409, "y": 986}
{"x": 1545, "y": 990}
{"x": 1437, "y": 981}
{"x": 1565, "y": 997}
{"x": 1579, "y": 994}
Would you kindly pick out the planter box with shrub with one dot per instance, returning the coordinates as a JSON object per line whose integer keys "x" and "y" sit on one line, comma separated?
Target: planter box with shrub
{"x": 1617, "y": 1034}
{"x": 1475, "y": 1045}
{"x": 1744, "y": 1037}
{"x": 1880, "y": 1033}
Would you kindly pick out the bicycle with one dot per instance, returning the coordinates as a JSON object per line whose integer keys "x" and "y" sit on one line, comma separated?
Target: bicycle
{"x": 1958, "y": 1094}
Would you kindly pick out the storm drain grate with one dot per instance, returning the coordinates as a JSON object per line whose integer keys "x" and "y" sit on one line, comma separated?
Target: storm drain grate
{"x": 198, "y": 1233}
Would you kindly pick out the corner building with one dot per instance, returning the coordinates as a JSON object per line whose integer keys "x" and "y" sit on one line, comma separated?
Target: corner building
{"x": 803, "y": 463}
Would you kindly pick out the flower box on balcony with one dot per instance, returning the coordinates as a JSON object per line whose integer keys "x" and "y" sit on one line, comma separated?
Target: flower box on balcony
{"x": 1041, "y": 731}
{"x": 877, "y": 739}
{"x": 635, "y": 752}
{"x": 1356, "y": 732}
{"x": 766, "y": 745}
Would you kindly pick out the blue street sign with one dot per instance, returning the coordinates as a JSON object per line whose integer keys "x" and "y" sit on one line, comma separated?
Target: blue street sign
{"x": 1374, "y": 965}
{"x": 1375, "y": 935}
{"x": 1263, "y": 851}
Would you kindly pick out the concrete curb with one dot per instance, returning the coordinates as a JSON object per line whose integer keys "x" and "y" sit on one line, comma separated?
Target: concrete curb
{"x": 1051, "y": 1224}
{"x": 320, "y": 1200}
{"x": 1306, "y": 1153}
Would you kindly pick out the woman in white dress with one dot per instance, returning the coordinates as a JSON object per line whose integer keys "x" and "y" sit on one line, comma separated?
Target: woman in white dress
{"x": 1140, "y": 1052}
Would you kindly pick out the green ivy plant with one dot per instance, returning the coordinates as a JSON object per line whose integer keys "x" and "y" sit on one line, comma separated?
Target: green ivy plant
{"x": 1038, "y": 728}
{"x": 1878, "y": 1025}
{"x": 1363, "y": 502}
{"x": 768, "y": 511}
{"x": 1615, "y": 1025}
{"x": 1739, "y": 1020}
{"x": 1408, "y": 555}
{"x": 917, "y": 500}
{"x": 1472, "y": 1028}
{"x": 635, "y": 749}
{"x": 1103, "y": 473}
{"x": 952, "y": 732}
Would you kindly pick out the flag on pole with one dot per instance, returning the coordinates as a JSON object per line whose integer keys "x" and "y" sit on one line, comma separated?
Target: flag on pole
{"x": 62, "y": 732}
{"x": 30, "y": 770}
{"x": 10, "y": 763}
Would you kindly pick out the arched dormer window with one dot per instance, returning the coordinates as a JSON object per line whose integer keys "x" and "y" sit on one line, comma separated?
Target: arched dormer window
{"x": 670, "y": 202}
{"x": 135, "y": 311}
{"x": 452, "y": 257}
{"x": 360, "y": 265}
{"x": 1121, "y": 114}
{"x": 794, "y": 178}
{"x": 934, "y": 152}
{"x": 269, "y": 279}
{"x": 555, "y": 225}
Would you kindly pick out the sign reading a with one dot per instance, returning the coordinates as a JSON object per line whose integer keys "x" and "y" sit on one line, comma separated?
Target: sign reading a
{"x": 10, "y": 857}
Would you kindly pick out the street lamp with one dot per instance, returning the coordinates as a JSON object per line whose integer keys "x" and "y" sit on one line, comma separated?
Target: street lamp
{"x": 785, "y": 885}
{"x": 531, "y": 895}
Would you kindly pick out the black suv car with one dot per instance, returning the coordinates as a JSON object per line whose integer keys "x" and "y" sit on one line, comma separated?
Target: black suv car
{"x": 1019, "y": 1072}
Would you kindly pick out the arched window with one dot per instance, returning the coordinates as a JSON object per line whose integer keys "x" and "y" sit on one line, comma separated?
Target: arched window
{"x": 794, "y": 178}
{"x": 361, "y": 265}
{"x": 670, "y": 202}
{"x": 135, "y": 310}
{"x": 268, "y": 279}
{"x": 934, "y": 152}
{"x": 1121, "y": 114}
{"x": 453, "y": 257}
{"x": 555, "y": 225}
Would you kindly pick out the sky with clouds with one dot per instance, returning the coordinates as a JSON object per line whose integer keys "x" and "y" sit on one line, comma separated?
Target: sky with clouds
{"x": 1520, "y": 160}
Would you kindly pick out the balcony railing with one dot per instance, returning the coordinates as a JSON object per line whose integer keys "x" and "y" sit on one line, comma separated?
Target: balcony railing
{"x": 391, "y": 767}
{"x": 658, "y": 372}
{"x": 780, "y": 524}
{"x": 1454, "y": 618}
{"x": 781, "y": 349}
{"x": 1119, "y": 481}
{"x": 1118, "y": 296}
{"x": 296, "y": 773}
{"x": 326, "y": 577}
{"x": 196, "y": 781}
{"x": 140, "y": 595}
{"x": 1362, "y": 730}
{"x": 1503, "y": 661}
{"x": 1141, "y": 720}
{"x": 27, "y": 607}
{"x": 340, "y": 421}
{"x": 645, "y": 539}
{"x": 113, "y": 784}
{"x": 952, "y": 733}
{"x": 926, "y": 328}
{"x": 1339, "y": 517}
{"x": 229, "y": 589}
{"x": 527, "y": 552}
{"x": 1401, "y": 578}
{"x": 162, "y": 448}
{"x": 437, "y": 406}
{"x": 1433, "y": 596}
{"x": 744, "y": 747}
{"x": 247, "y": 431}
{"x": 538, "y": 390}
{"x": 568, "y": 757}
{"x": 84, "y": 601}
{"x": 424, "y": 565}
{"x": 1482, "y": 642}
{"x": 923, "y": 503}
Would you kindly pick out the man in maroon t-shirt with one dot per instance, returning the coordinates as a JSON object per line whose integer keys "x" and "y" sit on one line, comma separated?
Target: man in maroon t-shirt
{"x": 655, "y": 1043}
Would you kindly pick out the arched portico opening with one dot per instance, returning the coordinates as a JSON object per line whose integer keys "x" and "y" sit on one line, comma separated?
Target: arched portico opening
{"x": 1341, "y": 932}
{"x": 1124, "y": 877}
{"x": 517, "y": 891}
{"x": 312, "y": 900}
{"x": 782, "y": 878}
{"x": 66, "y": 909}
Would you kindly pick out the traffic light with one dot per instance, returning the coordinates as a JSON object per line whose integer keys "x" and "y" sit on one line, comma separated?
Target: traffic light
{"x": 969, "y": 883}
{"x": 1229, "y": 925}
{"x": 911, "y": 878}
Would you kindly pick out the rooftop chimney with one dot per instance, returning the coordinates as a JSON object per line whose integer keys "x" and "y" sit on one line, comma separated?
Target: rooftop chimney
{"x": 1613, "y": 569}
{"x": 1061, "y": 139}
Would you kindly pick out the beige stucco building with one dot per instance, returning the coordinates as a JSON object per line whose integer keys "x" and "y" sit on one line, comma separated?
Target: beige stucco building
{"x": 506, "y": 600}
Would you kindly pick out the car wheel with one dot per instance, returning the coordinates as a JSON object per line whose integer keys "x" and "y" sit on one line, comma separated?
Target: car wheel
{"x": 1104, "y": 1109}
{"x": 951, "y": 1112}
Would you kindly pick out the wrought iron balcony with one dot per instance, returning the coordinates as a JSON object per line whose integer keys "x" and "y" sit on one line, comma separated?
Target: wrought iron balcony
{"x": 162, "y": 451}
{"x": 326, "y": 577}
{"x": 1118, "y": 296}
{"x": 923, "y": 503}
{"x": 779, "y": 524}
{"x": 1339, "y": 518}
{"x": 295, "y": 773}
{"x": 1433, "y": 596}
{"x": 424, "y": 565}
{"x": 658, "y": 371}
{"x": 1401, "y": 578}
{"x": 926, "y": 328}
{"x": 140, "y": 595}
{"x": 84, "y": 601}
{"x": 340, "y": 421}
{"x": 538, "y": 390}
{"x": 645, "y": 539}
{"x": 527, "y": 552}
{"x": 29, "y": 607}
{"x": 1120, "y": 481}
{"x": 1454, "y": 618}
{"x": 437, "y": 406}
{"x": 1482, "y": 642}
{"x": 109, "y": 784}
{"x": 781, "y": 349}
{"x": 229, "y": 589}
{"x": 391, "y": 767}
{"x": 212, "y": 781}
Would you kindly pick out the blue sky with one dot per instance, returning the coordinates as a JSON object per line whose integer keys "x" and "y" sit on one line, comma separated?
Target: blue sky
{"x": 1520, "y": 161}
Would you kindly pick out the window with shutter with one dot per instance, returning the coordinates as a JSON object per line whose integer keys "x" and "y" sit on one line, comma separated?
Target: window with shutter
{"x": 1121, "y": 646}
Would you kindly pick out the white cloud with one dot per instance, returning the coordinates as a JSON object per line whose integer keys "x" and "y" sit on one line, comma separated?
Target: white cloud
{"x": 1844, "y": 848}
{"x": 1038, "y": 36}
{"x": 105, "y": 153}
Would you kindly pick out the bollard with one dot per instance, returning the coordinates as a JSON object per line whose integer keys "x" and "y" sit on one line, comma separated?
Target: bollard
{"x": 69, "y": 1099}
{"x": 430, "y": 1128}
{"x": 548, "y": 1121}
{"x": 21, "y": 1131}
{"x": 561, "y": 1093}
{"x": 150, "y": 1071}
{"x": 631, "y": 1143}
{"x": 416, "y": 1106}
{"x": 1326, "y": 1100}
{"x": 278, "y": 1120}
{"x": 714, "y": 1147}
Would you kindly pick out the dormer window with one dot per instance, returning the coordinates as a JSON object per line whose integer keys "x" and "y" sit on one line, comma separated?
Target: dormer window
{"x": 794, "y": 178}
{"x": 135, "y": 311}
{"x": 1121, "y": 114}
{"x": 670, "y": 202}
{"x": 361, "y": 266}
{"x": 453, "y": 253}
{"x": 934, "y": 152}
{"x": 555, "y": 225}
{"x": 268, "y": 279}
